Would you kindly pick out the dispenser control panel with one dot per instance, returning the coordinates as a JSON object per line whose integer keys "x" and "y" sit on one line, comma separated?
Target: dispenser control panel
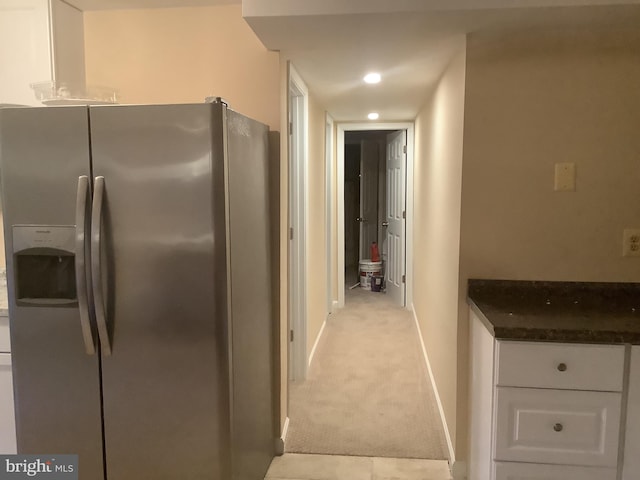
{"x": 59, "y": 237}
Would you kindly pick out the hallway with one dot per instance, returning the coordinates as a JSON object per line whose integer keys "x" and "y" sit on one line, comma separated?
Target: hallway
{"x": 367, "y": 391}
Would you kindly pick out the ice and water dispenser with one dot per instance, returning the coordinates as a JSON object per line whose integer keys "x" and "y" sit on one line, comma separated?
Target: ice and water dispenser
{"x": 44, "y": 265}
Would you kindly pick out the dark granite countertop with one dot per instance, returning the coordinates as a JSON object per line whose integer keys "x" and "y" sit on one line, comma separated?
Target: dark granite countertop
{"x": 558, "y": 311}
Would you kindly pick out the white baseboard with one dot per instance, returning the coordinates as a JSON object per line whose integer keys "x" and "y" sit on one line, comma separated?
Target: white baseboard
{"x": 315, "y": 344}
{"x": 452, "y": 454}
{"x": 283, "y": 437}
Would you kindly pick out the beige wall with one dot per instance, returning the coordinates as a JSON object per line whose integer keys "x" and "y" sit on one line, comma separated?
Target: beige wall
{"x": 317, "y": 232}
{"x": 534, "y": 99}
{"x": 437, "y": 190}
{"x": 181, "y": 55}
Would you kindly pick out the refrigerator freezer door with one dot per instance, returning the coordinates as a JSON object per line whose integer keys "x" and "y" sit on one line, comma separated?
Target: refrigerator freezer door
{"x": 166, "y": 382}
{"x": 57, "y": 390}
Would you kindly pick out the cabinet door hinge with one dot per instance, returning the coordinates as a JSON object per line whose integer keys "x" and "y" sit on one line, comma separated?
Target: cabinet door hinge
{"x": 290, "y": 233}
{"x": 404, "y": 214}
{"x": 404, "y": 279}
{"x": 291, "y": 335}
{"x": 404, "y": 149}
{"x": 290, "y": 128}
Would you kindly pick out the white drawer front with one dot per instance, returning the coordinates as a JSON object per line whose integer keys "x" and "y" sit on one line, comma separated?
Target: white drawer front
{"x": 557, "y": 426}
{"x": 560, "y": 365}
{"x": 532, "y": 471}
{"x": 5, "y": 344}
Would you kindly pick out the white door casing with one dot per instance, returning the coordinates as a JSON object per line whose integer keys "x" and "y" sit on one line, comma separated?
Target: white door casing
{"x": 394, "y": 245}
{"x": 368, "y": 197}
{"x": 298, "y": 188}
{"x": 329, "y": 216}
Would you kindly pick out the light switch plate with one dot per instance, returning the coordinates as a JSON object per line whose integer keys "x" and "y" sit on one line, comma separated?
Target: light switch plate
{"x": 565, "y": 177}
{"x": 631, "y": 242}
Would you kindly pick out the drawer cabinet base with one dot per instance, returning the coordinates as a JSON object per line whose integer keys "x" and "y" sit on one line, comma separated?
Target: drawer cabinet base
{"x": 536, "y": 471}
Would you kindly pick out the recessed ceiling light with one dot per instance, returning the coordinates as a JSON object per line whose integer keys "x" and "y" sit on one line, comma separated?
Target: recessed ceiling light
{"x": 372, "y": 77}
{"x": 373, "y": 116}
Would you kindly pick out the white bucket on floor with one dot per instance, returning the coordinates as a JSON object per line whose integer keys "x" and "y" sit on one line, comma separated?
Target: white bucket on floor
{"x": 369, "y": 269}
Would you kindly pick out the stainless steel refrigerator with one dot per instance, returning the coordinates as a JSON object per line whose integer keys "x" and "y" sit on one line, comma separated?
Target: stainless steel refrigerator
{"x": 138, "y": 268}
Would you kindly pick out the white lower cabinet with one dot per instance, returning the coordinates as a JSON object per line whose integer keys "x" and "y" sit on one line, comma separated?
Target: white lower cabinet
{"x": 7, "y": 416}
{"x": 533, "y": 471}
{"x": 631, "y": 464}
{"x": 548, "y": 411}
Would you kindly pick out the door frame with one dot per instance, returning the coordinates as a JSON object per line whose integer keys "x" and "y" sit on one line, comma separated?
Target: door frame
{"x": 348, "y": 127}
{"x": 329, "y": 212}
{"x": 297, "y": 111}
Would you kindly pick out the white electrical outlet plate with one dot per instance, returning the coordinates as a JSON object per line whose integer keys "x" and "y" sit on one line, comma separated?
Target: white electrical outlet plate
{"x": 565, "y": 177}
{"x": 631, "y": 242}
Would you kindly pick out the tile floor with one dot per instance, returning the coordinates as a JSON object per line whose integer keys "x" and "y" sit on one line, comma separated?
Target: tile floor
{"x": 294, "y": 466}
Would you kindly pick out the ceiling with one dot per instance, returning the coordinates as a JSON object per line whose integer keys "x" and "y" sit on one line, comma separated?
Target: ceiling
{"x": 410, "y": 49}
{"x": 410, "y": 42}
{"x": 135, "y": 4}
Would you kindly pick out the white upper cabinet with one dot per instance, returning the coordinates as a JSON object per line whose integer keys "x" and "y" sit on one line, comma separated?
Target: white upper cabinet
{"x": 40, "y": 40}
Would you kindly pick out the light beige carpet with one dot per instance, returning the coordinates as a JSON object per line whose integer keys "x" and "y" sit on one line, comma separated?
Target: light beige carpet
{"x": 367, "y": 392}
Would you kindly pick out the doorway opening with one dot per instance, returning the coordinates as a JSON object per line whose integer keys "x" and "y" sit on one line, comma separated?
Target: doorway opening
{"x": 375, "y": 168}
{"x": 364, "y": 204}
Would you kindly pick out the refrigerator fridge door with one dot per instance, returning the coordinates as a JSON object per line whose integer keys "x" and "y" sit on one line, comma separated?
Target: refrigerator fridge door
{"x": 43, "y": 152}
{"x": 163, "y": 275}
{"x": 250, "y": 267}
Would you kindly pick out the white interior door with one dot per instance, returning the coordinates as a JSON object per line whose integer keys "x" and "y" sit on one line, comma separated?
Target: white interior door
{"x": 394, "y": 246}
{"x": 368, "y": 197}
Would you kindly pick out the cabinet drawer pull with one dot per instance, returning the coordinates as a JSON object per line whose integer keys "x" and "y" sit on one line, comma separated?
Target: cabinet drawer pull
{"x": 558, "y": 427}
{"x": 562, "y": 367}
